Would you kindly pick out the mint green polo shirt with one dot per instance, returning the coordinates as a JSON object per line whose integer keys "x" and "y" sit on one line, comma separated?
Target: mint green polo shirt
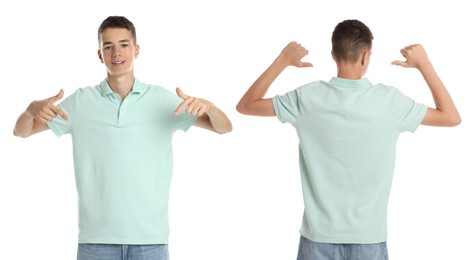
{"x": 348, "y": 130}
{"x": 122, "y": 160}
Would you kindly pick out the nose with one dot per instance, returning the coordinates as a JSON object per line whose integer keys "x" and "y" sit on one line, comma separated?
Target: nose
{"x": 116, "y": 53}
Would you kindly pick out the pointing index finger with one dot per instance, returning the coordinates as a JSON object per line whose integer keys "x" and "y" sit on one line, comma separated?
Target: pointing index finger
{"x": 59, "y": 111}
{"x": 181, "y": 106}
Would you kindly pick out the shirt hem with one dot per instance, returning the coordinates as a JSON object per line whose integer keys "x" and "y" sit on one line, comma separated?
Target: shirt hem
{"x": 124, "y": 241}
{"x": 318, "y": 239}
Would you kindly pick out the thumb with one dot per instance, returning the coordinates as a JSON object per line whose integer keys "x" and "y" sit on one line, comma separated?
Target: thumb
{"x": 180, "y": 93}
{"x": 58, "y": 96}
{"x": 306, "y": 64}
{"x": 399, "y": 63}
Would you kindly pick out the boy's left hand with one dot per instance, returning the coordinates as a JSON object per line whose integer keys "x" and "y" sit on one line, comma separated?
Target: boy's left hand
{"x": 195, "y": 106}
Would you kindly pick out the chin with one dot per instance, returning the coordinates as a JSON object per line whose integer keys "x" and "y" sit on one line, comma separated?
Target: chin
{"x": 117, "y": 73}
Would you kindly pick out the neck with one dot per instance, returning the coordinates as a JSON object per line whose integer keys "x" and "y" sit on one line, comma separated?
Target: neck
{"x": 350, "y": 71}
{"x": 121, "y": 85}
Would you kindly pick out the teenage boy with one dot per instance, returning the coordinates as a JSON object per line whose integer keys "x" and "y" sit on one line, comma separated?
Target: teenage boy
{"x": 122, "y": 134}
{"x": 348, "y": 129}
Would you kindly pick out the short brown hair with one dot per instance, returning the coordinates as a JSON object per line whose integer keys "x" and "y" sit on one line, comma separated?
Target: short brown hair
{"x": 117, "y": 22}
{"x": 349, "y": 39}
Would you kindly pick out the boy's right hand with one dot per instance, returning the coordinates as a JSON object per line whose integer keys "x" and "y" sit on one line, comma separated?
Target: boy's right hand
{"x": 44, "y": 110}
{"x": 292, "y": 55}
{"x": 415, "y": 55}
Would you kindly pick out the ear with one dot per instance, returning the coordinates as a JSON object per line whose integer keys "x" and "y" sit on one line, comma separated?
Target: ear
{"x": 100, "y": 55}
{"x": 365, "y": 57}
{"x": 136, "y": 51}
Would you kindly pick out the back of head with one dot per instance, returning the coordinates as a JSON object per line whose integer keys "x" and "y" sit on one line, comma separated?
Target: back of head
{"x": 350, "y": 38}
{"x": 117, "y": 22}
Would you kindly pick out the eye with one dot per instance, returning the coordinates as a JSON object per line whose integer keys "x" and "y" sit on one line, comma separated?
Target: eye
{"x": 124, "y": 45}
{"x": 107, "y": 47}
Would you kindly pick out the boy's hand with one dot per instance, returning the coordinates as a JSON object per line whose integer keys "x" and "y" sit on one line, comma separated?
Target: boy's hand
{"x": 292, "y": 55}
{"x": 195, "y": 106}
{"x": 45, "y": 110}
{"x": 415, "y": 55}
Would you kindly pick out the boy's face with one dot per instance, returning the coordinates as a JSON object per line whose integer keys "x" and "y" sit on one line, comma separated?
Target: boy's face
{"x": 117, "y": 51}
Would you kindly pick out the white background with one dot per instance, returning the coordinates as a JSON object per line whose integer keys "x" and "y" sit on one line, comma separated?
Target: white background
{"x": 233, "y": 196}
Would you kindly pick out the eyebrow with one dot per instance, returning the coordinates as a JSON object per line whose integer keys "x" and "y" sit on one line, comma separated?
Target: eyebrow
{"x": 111, "y": 43}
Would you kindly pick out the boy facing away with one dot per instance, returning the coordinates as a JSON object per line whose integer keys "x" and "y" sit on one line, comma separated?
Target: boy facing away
{"x": 122, "y": 132}
{"x": 348, "y": 129}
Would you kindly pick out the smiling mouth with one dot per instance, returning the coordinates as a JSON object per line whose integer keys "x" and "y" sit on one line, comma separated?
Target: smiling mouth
{"x": 118, "y": 62}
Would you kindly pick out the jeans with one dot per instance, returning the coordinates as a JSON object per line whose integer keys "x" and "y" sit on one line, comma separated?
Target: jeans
{"x": 309, "y": 250}
{"x": 122, "y": 252}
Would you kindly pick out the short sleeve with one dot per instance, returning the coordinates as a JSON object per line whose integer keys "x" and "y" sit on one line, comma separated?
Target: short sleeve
{"x": 411, "y": 113}
{"x": 287, "y": 106}
{"x": 59, "y": 125}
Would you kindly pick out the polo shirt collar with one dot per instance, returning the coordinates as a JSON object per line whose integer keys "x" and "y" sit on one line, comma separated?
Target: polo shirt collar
{"x": 350, "y": 83}
{"x": 106, "y": 90}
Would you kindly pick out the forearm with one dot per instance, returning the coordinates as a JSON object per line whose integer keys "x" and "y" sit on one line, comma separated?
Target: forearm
{"x": 218, "y": 120}
{"x": 259, "y": 88}
{"x": 26, "y": 125}
{"x": 445, "y": 107}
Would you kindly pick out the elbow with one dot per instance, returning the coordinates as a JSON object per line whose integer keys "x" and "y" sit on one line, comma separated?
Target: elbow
{"x": 455, "y": 121}
{"x": 18, "y": 134}
{"x": 225, "y": 130}
{"x": 451, "y": 121}
{"x": 230, "y": 129}
{"x": 241, "y": 108}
